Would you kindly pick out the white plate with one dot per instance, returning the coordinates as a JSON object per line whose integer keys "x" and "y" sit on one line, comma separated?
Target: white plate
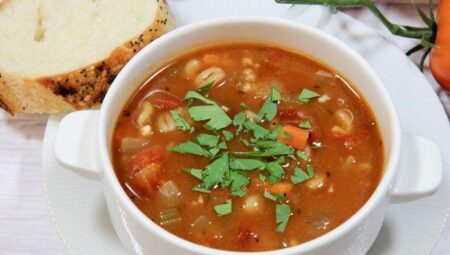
{"x": 79, "y": 211}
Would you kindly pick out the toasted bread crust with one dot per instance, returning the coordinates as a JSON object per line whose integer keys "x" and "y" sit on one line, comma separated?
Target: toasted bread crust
{"x": 82, "y": 88}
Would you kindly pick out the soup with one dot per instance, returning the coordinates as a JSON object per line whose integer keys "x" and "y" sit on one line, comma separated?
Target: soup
{"x": 247, "y": 147}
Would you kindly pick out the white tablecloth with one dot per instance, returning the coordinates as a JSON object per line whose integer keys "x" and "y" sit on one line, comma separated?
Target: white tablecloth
{"x": 25, "y": 226}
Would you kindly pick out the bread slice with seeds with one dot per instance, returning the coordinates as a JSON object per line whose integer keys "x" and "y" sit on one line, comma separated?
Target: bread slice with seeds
{"x": 62, "y": 55}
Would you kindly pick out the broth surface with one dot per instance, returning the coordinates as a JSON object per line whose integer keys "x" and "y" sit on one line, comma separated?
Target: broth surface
{"x": 342, "y": 160}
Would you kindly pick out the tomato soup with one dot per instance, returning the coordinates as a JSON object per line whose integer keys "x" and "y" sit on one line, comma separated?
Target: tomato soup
{"x": 247, "y": 147}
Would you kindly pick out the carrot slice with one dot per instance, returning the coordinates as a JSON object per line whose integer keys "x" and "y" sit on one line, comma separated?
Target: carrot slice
{"x": 294, "y": 136}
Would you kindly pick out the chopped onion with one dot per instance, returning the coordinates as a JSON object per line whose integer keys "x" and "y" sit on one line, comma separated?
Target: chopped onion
{"x": 201, "y": 222}
{"x": 169, "y": 191}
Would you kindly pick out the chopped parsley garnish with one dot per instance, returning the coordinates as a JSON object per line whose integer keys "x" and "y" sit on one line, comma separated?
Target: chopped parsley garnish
{"x": 214, "y": 173}
{"x": 275, "y": 198}
{"x": 197, "y": 173}
{"x": 299, "y": 176}
{"x": 224, "y": 209}
{"x": 213, "y": 113}
{"x": 238, "y": 121}
{"x": 238, "y": 182}
{"x": 270, "y": 149}
{"x": 283, "y": 212}
{"x": 276, "y": 172}
{"x": 207, "y": 140}
{"x": 302, "y": 155}
{"x": 310, "y": 170}
{"x": 190, "y": 148}
{"x": 305, "y": 125}
{"x": 246, "y": 164}
{"x": 257, "y": 130}
{"x": 262, "y": 177}
{"x": 179, "y": 121}
{"x": 269, "y": 108}
{"x": 228, "y": 135}
{"x": 275, "y": 132}
{"x": 228, "y": 169}
{"x": 306, "y": 95}
{"x": 201, "y": 189}
{"x": 202, "y": 91}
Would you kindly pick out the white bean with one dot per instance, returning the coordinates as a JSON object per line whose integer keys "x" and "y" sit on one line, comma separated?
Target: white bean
{"x": 212, "y": 74}
{"x": 316, "y": 182}
{"x": 345, "y": 119}
{"x": 146, "y": 114}
{"x": 249, "y": 75}
{"x": 192, "y": 67}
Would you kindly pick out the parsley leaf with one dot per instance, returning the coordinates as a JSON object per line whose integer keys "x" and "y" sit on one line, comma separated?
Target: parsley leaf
{"x": 201, "y": 189}
{"x": 261, "y": 177}
{"x": 305, "y": 125}
{"x": 258, "y": 131}
{"x": 197, "y": 173}
{"x": 238, "y": 121}
{"x": 283, "y": 212}
{"x": 179, "y": 121}
{"x": 238, "y": 182}
{"x": 302, "y": 155}
{"x": 228, "y": 135}
{"x": 190, "y": 148}
{"x": 217, "y": 118}
{"x": 306, "y": 95}
{"x": 276, "y": 172}
{"x": 246, "y": 164}
{"x": 276, "y": 197}
{"x": 215, "y": 172}
{"x": 214, "y": 151}
{"x": 310, "y": 170}
{"x": 271, "y": 148}
{"x": 224, "y": 209}
{"x": 269, "y": 196}
{"x": 274, "y": 134}
{"x": 269, "y": 108}
{"x": 207, "y": 140}
{"x": 202, "y": 90}
{"x": 299, "y": 176}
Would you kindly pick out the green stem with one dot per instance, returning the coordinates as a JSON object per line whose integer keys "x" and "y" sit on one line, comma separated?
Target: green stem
{"x": 418, "y": 33}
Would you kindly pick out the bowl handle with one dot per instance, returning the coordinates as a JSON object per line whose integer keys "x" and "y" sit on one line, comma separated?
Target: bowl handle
{"x": 420, "y": 170}
{"x": 76, "y": 143}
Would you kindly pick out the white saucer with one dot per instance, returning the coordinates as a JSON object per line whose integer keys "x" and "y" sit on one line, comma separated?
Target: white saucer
{"x": 77, "y": 206}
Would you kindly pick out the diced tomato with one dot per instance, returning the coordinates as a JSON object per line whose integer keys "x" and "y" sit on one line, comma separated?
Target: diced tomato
{"x": 291, "y": 116}
{"x": 294, "y": 136}
{"x": 147, "y": 156}
{"x": 164, "y": 100}
{"x": 146, "y": 181}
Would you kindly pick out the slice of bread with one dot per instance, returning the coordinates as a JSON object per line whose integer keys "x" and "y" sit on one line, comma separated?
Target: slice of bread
{"x": 62, "y": 55}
